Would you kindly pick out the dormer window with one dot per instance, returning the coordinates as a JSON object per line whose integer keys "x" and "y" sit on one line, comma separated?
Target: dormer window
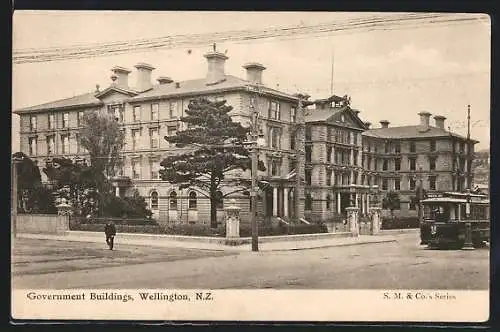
{"x": 342, "y": 118}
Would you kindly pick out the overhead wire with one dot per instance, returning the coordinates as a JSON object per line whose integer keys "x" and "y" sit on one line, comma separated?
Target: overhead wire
{"x": 239, "y": 36}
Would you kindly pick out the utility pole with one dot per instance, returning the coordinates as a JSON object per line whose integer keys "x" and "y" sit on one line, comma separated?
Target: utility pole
{"x": 468, "y": 245}
{"x": 14, "y": 199}
{"x": 299, "y": 151}
{"x": 254, "y": 174}
{"x": 420, "y": 195}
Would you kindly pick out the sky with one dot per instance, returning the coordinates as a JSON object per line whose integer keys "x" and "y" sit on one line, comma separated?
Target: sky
{"x": 389, "y": 74}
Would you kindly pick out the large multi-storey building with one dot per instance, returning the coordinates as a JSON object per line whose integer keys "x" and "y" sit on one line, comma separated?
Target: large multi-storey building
{"x": 400, "y": 158}
{"x": 341, "y": 161}
{"x": 148, "y": 112}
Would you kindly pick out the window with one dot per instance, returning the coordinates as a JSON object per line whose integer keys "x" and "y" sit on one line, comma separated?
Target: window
{"x": 50, "y": 144}
{"x": 342, "y": 118}
{"x": 387, "y": 147}
{"x": 220, "y": 200}
{"x": 154, "y": 112}
{"x": 153, "y": 167}
{"x": 275, "y": 167}
{"x": 413, "y": 147}
{"x": 308, "y": 202}
{"x": 136, "y": 113}
{"x": 354, "y": 138}
{"x": 432, "y": 182}
{"x": 172, "y": 201}
{"x": 153, "y": 138}
{"x": 136, "y": 133}
{"x": 355, "y": 158}
{"x": 433, "y": 145}
{"x": 154, "y": 200}
{"x": 385, "y": 165}
{"x": 397, "y": 184}
{"x": 328, "y": 202}
{"x": 368, "y": 162}
{"x": 385, "y": 184}
{"x": 33, "y": 123}
{"x": 413, "y": 203}
{"x": 308, "y": 133}
{"x": 292, "y": 141}
{"x": 292, "y": 164}
{"x": 52, "y": 121}
{"x": 329, "y": 154}
{"x": 117, "y": 112}
{"x": 79, "y": 118}
{"x": 65, "y": 122}
{"x": 172, "y": 110}
{"x": 308, "y": 153}
{"x": 192, "y": 203}
{"x": 397, "y": 147}
{"x": 412, "y": 162}
{"x": 328, "y": 177}
{"x": 411, "y": 184}
{"x": 79, "y": 148}
{"x": 274, "y": 110}
{"x": 32, "y": 146}
{"x": 136, "y": 169}
{"x": 275, "y": 135}
{"x": 65, "y": 144}
{"x": 432, "y": 163}
{"x": 171, "y": 130}
{"x": 397, "y": 164}
{"x": 293, "y": 114}
{"x": 308, "y": 177}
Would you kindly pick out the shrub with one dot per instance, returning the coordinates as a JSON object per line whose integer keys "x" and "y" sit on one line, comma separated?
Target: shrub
{"x": 400, "y": 223}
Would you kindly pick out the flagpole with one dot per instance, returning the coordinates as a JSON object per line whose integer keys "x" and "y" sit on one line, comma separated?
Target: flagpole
{"x": 331, "y": 77}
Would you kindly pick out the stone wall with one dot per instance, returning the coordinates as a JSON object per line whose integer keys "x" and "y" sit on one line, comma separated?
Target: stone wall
{"x": 42, "y": 223}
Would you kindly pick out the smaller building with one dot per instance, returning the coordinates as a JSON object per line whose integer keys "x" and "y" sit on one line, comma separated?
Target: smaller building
{"x": 333, "y": 152}
{"x": 404, "y": 157}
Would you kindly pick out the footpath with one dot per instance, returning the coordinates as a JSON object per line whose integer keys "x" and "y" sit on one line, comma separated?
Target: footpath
{"x": 154, "y": 240}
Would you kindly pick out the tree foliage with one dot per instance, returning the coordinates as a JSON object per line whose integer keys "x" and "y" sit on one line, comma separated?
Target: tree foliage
{"x": 134, "y": 206}
{"x": 391, "y": 201}
{"x": 32, "y": 195}
{"x": 215, "y": 148}
{"x": 102, "y": 137}
{"x": 76, "y": 182}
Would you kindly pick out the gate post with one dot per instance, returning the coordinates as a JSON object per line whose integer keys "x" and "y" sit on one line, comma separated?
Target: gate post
{"x": 352, "y": 218}
{"x": 232, "y": 217}
{"x": 375, "y": 218}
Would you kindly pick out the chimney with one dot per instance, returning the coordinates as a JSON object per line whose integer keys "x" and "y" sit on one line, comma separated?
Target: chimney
{"x": 439, "y": 119}
{"x": 216, "y": 62}
{"x": 254, "y": 72}
{"x": 356, "y": 112}
{"x": 144, "y": 76}
{"x": 120, "y": 77}
{"x": 368, "y": 124}
{"x": 424, "y": 120}
{"x": 164, "y": 80}
{"x": 384, "y": 123}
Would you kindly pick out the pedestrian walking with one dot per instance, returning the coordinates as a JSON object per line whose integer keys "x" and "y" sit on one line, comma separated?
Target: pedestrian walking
{"x": 110, "y": 231}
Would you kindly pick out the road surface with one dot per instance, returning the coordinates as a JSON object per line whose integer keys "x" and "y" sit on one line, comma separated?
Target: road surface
{"x": 403, "y": 264}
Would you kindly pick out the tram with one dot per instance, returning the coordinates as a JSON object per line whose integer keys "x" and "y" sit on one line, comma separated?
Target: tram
{"x": 447, "y": 216}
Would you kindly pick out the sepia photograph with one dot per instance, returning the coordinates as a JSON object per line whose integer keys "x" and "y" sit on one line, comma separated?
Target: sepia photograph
{"x": 250, "y": 166}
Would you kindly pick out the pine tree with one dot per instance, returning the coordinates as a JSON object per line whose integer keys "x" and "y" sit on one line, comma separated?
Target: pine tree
{"x": 213, "y": 149}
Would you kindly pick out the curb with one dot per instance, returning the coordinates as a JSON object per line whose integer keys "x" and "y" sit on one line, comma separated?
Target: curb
{"x": 236, "y": 249}
{"x": 334, "y": 245}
